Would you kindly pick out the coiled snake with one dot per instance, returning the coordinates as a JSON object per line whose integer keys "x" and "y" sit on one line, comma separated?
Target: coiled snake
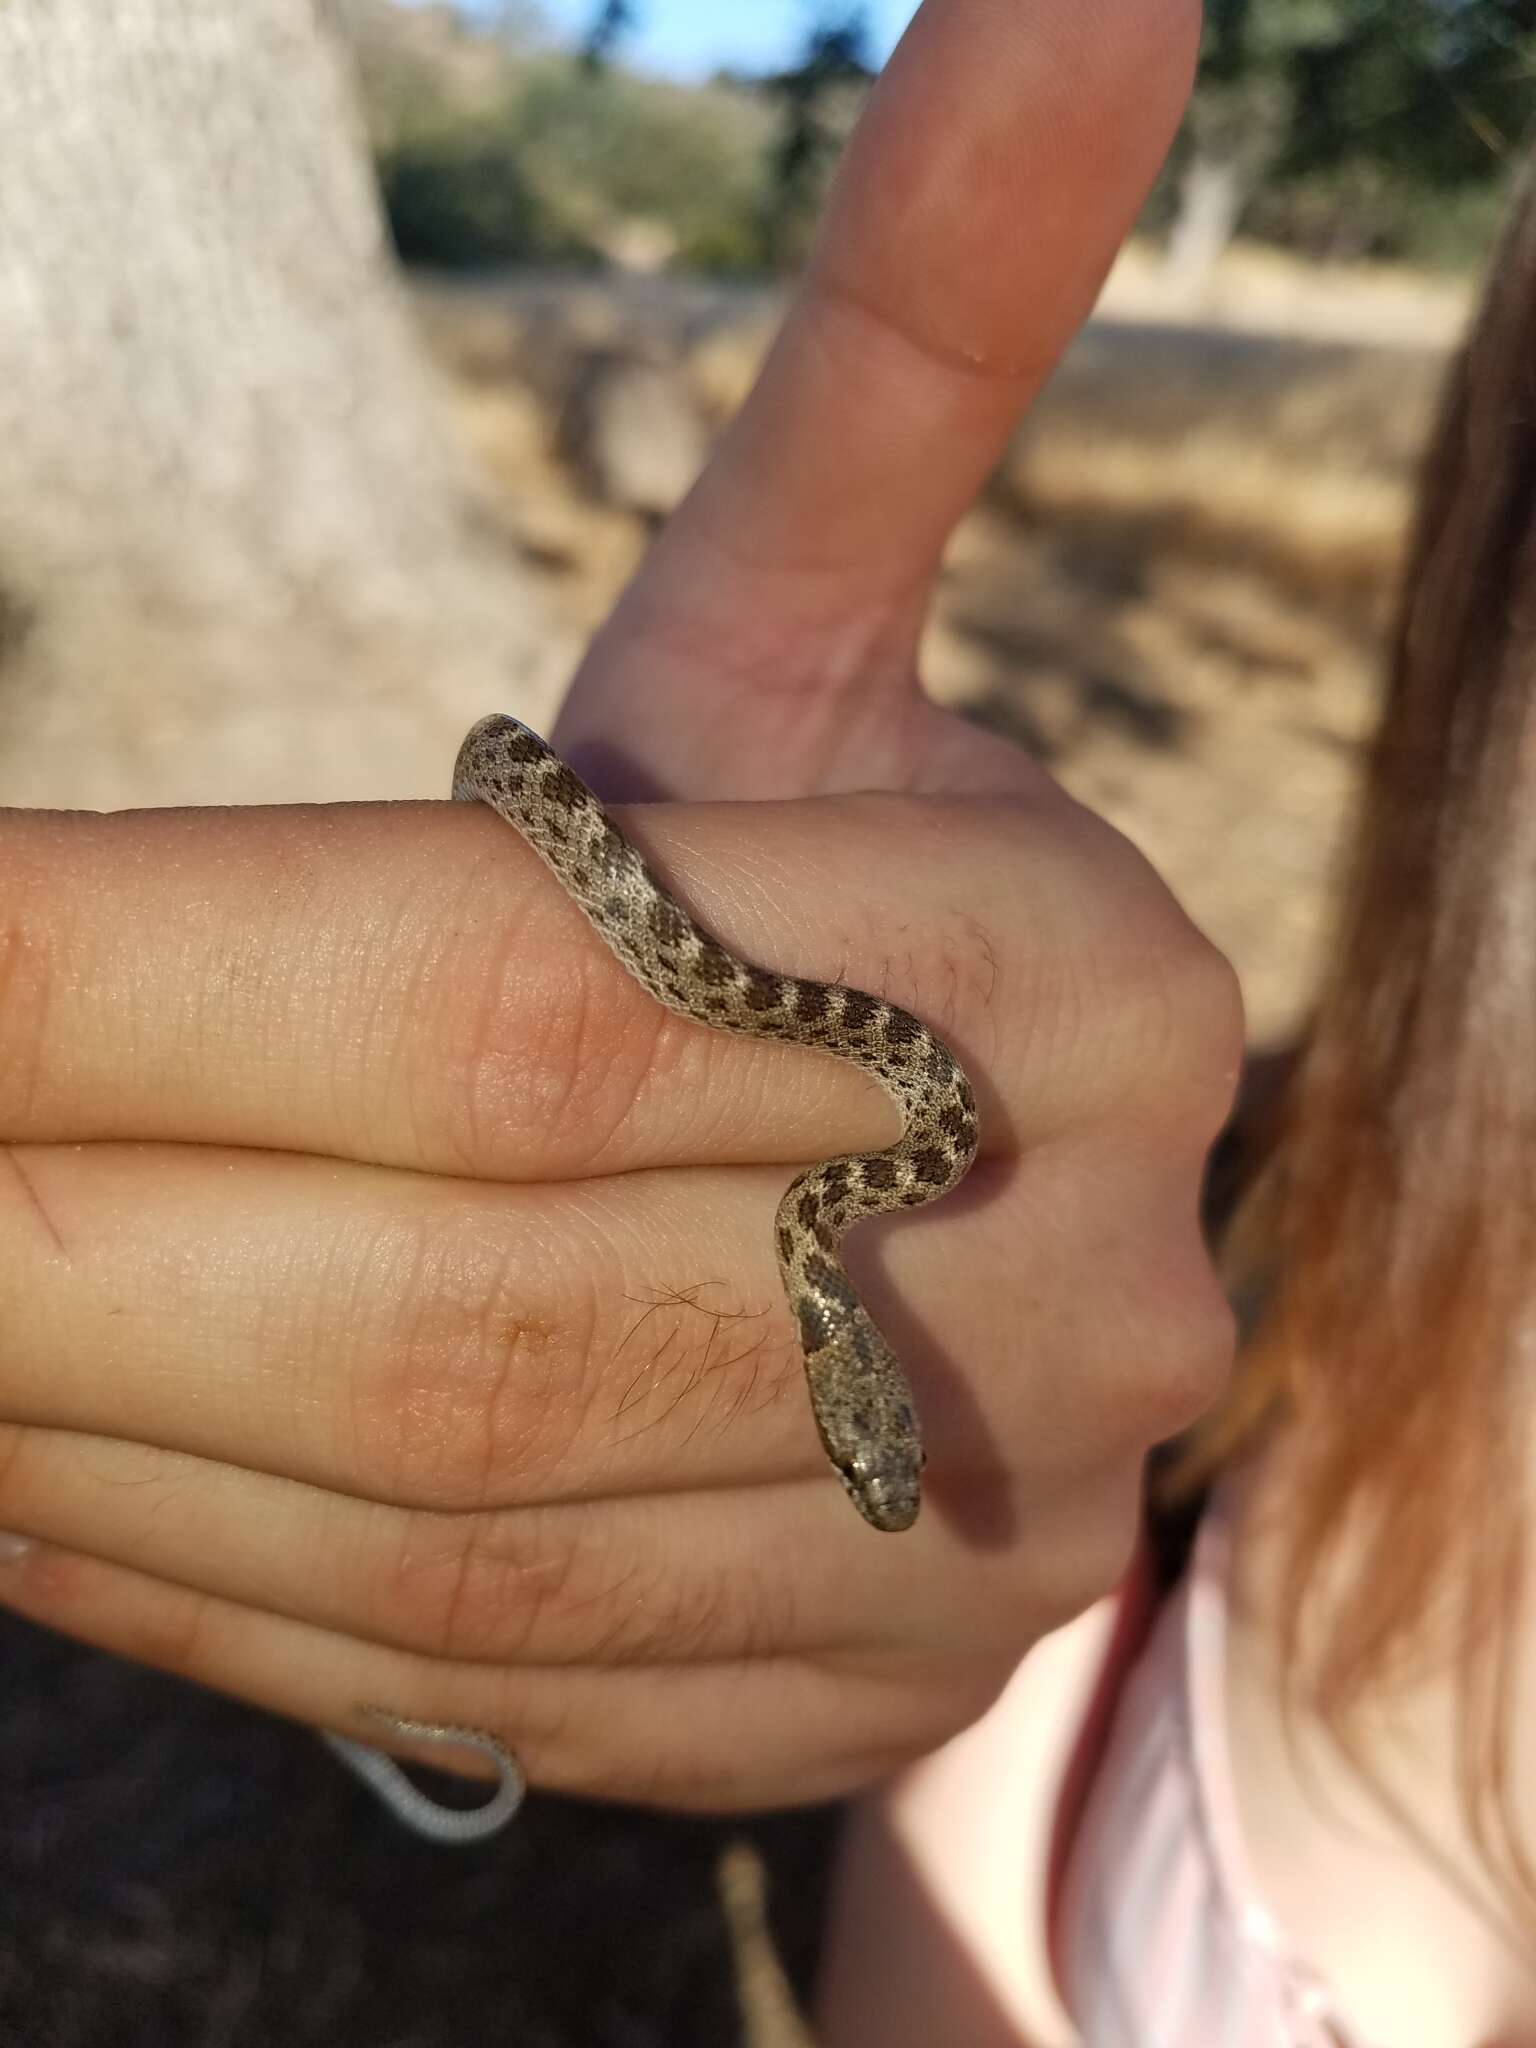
{"x": 859, "y": 1394}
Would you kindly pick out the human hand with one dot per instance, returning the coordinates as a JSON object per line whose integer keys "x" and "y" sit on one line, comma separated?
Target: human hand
{"x": 388, "y": 1296}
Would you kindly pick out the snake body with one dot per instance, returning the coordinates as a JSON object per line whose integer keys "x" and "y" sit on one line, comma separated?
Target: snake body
{"x": 453, "y": 1826}
{"x": 860, "y": 1398}
{"x": 862, "y": 1403}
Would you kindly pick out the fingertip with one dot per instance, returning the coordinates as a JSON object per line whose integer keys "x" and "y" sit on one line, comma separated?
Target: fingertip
{"x": 1006, "y": 151}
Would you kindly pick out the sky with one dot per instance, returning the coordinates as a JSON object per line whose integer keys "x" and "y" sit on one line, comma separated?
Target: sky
{"x": 691, "y": 38}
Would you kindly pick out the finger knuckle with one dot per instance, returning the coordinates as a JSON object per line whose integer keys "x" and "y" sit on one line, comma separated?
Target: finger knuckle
{"x": 1203, "y": 1031}
{"x": 1186, "y": 1356}
{"x": 695, "y": 1616}
{"x": 171, "y": 1630}
{"x": 517, "y": 1061}
{"x": 565, "y": 1585}
{"x": 1129, "y": 996}
{"x": 484, "y": 1385}
{"x": 475, "y": 1588}
{"x": 1176, "y": 1009}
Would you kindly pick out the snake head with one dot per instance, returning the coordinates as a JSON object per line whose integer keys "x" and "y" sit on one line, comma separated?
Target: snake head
{"x": 885, "y": 1488}
{"x": 863, "y": 1408}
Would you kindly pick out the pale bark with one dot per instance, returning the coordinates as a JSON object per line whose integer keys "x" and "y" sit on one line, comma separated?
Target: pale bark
{"x": 241, "y": 554}
{"x": 1212, "y": 193}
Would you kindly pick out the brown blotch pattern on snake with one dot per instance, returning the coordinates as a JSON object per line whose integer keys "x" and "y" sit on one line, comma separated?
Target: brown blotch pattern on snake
{"x": 860, "y": 1398}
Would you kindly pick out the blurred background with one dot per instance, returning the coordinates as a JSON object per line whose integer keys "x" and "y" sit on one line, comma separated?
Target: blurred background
{"x": 1176, "y": 590}
{"x": 354, "y": 350}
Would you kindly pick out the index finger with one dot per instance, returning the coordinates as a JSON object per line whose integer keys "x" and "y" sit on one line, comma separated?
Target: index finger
{"x": 405, "y": 985}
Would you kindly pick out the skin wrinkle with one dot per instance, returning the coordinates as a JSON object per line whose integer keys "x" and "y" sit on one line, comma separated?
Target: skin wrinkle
{"x": 27, "y": 964}
{"x": 360, "y": 1299}
{"x": 817, "y": 651}
{"x": 658, "y": 1618}
{"x": 562, "y": 1062}
{"x": 484, "y": 881}
{"x": 34, "y": 1201}
{"x": 495, "y": 1395}
{"x": 428, "y": 962}
{"x": 388, "y": 1413}
{"x": 521, "y": 1583}
{"x": 453, "y": 1625}
{"x": 13, "y": 1439}
{"x": 691, "y": 1626}
{"x": 689, "y": 1621}
{"x": 840, "y": 297}
{"x": 604, "y": 1648}
{"x": 449, "y": 1408}
{"x": 169, "y": 1638}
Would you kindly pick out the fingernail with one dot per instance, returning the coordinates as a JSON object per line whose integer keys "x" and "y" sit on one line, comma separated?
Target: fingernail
{"x": 14, "y": 1548}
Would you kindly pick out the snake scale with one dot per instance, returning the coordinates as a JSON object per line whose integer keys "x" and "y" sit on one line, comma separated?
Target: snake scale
{"x": 859, "y": 1394}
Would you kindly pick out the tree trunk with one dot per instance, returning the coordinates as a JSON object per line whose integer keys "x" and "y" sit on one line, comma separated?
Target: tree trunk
{"x": 241, "y": 556}
{"x": 1211, "y": 196}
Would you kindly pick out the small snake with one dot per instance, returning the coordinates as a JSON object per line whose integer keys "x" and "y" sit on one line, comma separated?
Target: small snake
{"x": 860, "y": 1398}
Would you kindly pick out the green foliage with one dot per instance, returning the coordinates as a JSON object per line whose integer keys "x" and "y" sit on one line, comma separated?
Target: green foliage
{"x": 1350, "y": 127}
{"x": 1367, "y": 127}
{"x": 494, "y": 154}
{"x": 613, "y": 21}
{"x": 818, "y": 99}
{"x": 602, "y": 146}
{"x": 1361, "y": 210}
{"x": 459, "y": 195}
{"x": 1436, "y": 91}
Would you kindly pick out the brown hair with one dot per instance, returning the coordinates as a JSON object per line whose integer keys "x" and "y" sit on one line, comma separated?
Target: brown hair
{"x": 1392, "y": 1233}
